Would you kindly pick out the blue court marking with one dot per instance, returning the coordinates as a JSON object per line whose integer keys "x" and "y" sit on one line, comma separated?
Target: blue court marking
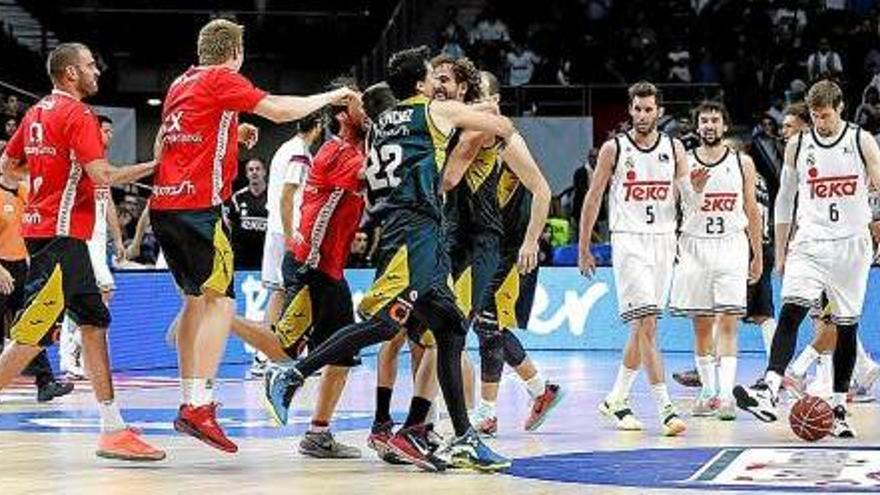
{"x": 242, "y": 423}
{"x": 648, "y": 468}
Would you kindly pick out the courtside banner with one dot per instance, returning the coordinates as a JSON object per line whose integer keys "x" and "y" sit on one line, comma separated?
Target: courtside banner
{"x": 570, "y": 313}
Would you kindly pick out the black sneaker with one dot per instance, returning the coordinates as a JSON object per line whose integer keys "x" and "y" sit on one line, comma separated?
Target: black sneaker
{"x": 757, "y": 400}
{"x": 322, "y": 445}
{"x": 52, "y": 390}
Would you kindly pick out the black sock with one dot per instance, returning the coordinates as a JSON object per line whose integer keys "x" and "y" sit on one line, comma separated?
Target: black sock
{"x": 844, "y": 357}
{"x": 785, "y": 338}
{"x": 383, "y": 405}
{"x": 418, "y": 411}
{"x": 344, "y": 343}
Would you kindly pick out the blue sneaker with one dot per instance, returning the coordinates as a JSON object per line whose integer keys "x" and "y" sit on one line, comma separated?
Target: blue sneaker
{"x": 279, "y": 386}
{"x": 469, "y": 452}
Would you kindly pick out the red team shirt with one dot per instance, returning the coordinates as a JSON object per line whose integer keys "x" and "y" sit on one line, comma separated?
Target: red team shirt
{"x": 57, "y": 137}
{"x": 200, "y": 138}
{"x": 331, "y": 209}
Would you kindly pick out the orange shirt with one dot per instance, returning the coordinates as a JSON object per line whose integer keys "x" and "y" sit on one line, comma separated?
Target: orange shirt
{"x": 12, "y": 246}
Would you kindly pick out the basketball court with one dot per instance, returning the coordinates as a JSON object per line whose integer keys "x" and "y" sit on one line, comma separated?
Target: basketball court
{"x": 50, "y": 448}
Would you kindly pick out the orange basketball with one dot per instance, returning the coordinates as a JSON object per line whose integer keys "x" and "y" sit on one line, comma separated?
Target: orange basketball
{"x": 811, "y": 418}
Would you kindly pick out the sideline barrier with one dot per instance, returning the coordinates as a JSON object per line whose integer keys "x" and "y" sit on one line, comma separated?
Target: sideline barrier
{"x": 570, "y": 313}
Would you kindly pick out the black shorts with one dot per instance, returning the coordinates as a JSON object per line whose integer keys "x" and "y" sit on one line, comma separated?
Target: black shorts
{"x": 197, "y": 249}
{"x": 474, "y": 263}
{"x": 412, "y": 274}
{"x": 759, "y": 296}
{"x": 60, "y": 278}
{"x": 512, "y": 294}
{"x": 316, "y": 306}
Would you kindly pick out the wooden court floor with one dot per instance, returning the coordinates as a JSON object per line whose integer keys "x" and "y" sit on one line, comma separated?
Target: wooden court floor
{"x": 49, "y": 448}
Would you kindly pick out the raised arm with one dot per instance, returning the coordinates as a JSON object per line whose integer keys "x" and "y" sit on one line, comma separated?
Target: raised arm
{"x": 450, "y": 114}
{"x": 280, "y": 109}
{"x": 521, "y": 162}
{"x": 592, "y": 203}
{"x": 750, "y": 203}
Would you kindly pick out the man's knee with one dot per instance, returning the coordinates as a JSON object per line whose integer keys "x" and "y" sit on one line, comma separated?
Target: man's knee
{"x": 491, "y": 351}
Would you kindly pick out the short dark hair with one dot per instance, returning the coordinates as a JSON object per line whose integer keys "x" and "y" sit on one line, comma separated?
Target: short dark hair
{"x": 824, "y": 93}
{"x": 405, "y": 69}
{"x": 62, "y": 57}
{"x": 712, "y": 106}
{"x": 464, "y": 71}
{"x": 798, "y": 110}
{"x": 492, "y": 82}
{"x": 310, "y": 122}
{"x": 377, "y": 98}
{"x": 103, "y": 119}
{"x": 644, "y": 89}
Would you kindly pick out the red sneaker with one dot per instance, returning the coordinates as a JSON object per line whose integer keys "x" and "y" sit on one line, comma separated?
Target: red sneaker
{"x": 542, "y": 406}
{"x": 127, "y": 445}
{"x": 201, "y": 422}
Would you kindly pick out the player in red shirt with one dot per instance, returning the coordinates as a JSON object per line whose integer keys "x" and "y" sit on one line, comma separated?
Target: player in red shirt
{"x": 317, "y": 297}
{"x": 193, "y": 178}
{"x": 59, "y": 146}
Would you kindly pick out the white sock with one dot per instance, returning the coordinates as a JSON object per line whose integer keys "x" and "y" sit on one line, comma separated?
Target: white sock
{"x": 197, "y": 391}
{"x": 838, "y": 399}
{"x": 623, "y": 383}
{"x": 774, "y": 381}
{"x": 111, "y": 418}
{"x": 804, "y": 360}
{"x": 433, "y": 413}
{"x": 768, "y": 330}
{"x": 726, "y": 377}
{"x": 706, "y": 370}
{"x": 186, "y": 390}
{"x": 535, "y": 385}
{"x": 487, "y": 408}
{"x": 825, "y": 374}
{"x": 661, "y": 395}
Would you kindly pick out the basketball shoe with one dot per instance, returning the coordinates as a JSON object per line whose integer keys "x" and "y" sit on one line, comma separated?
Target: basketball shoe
{"x": 542, "y": 405}
{"x": 672, "y": 424}
{"x": 706, "y": 404}
{"x": 127, "y": 445}
{"x": 279, "y": 385}
{"x": 757, "y": 400}
{"x": 840, "y": 428}
{"x": 620, "y": 412}
{"x": 380, "y": 433}
{"x": 322, "y": 445}
{"x": 201, "y": 422}
{"x": 469, "y": 452}
{"x": 411, "y": 445}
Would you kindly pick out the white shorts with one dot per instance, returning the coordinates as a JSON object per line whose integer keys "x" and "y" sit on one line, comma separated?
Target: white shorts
{"x": 273, "y": 255}
{"x": 98, "y": 256}
{"x": 838, "y": 267}
{"x": 711, "y": 276}
{"x": 642, "y": 265}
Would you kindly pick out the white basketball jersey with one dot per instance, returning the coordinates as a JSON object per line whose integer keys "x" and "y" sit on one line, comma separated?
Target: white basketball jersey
{"x": 102, "y": 198}
{"x": 641, "y": 199}
{"x": 290, "y": 165}
{"x": 719, "y": 211}
{"x": 832, "y": 186}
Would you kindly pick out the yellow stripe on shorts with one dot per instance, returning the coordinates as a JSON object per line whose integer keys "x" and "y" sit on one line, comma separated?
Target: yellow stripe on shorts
{"x": 505, "y": 299}
{"x": 463, "y": 290}
{"x": 221, "y": 274}
{"x": 393, "y": 281}
{"x": 296, "y": 319}
{"x": 41, "y": 314}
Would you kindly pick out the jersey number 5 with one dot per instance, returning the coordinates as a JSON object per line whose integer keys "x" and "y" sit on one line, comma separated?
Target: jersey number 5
{"x": 383, "y": 164}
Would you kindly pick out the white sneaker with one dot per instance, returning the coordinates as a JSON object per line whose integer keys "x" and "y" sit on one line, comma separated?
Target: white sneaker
{"x": 758, "y": 401}
{"x": 670, "y": 421}
{"x": 622, "y": 415}
{"x": 841, "y": 429}
{"x": 705, "y": 405}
